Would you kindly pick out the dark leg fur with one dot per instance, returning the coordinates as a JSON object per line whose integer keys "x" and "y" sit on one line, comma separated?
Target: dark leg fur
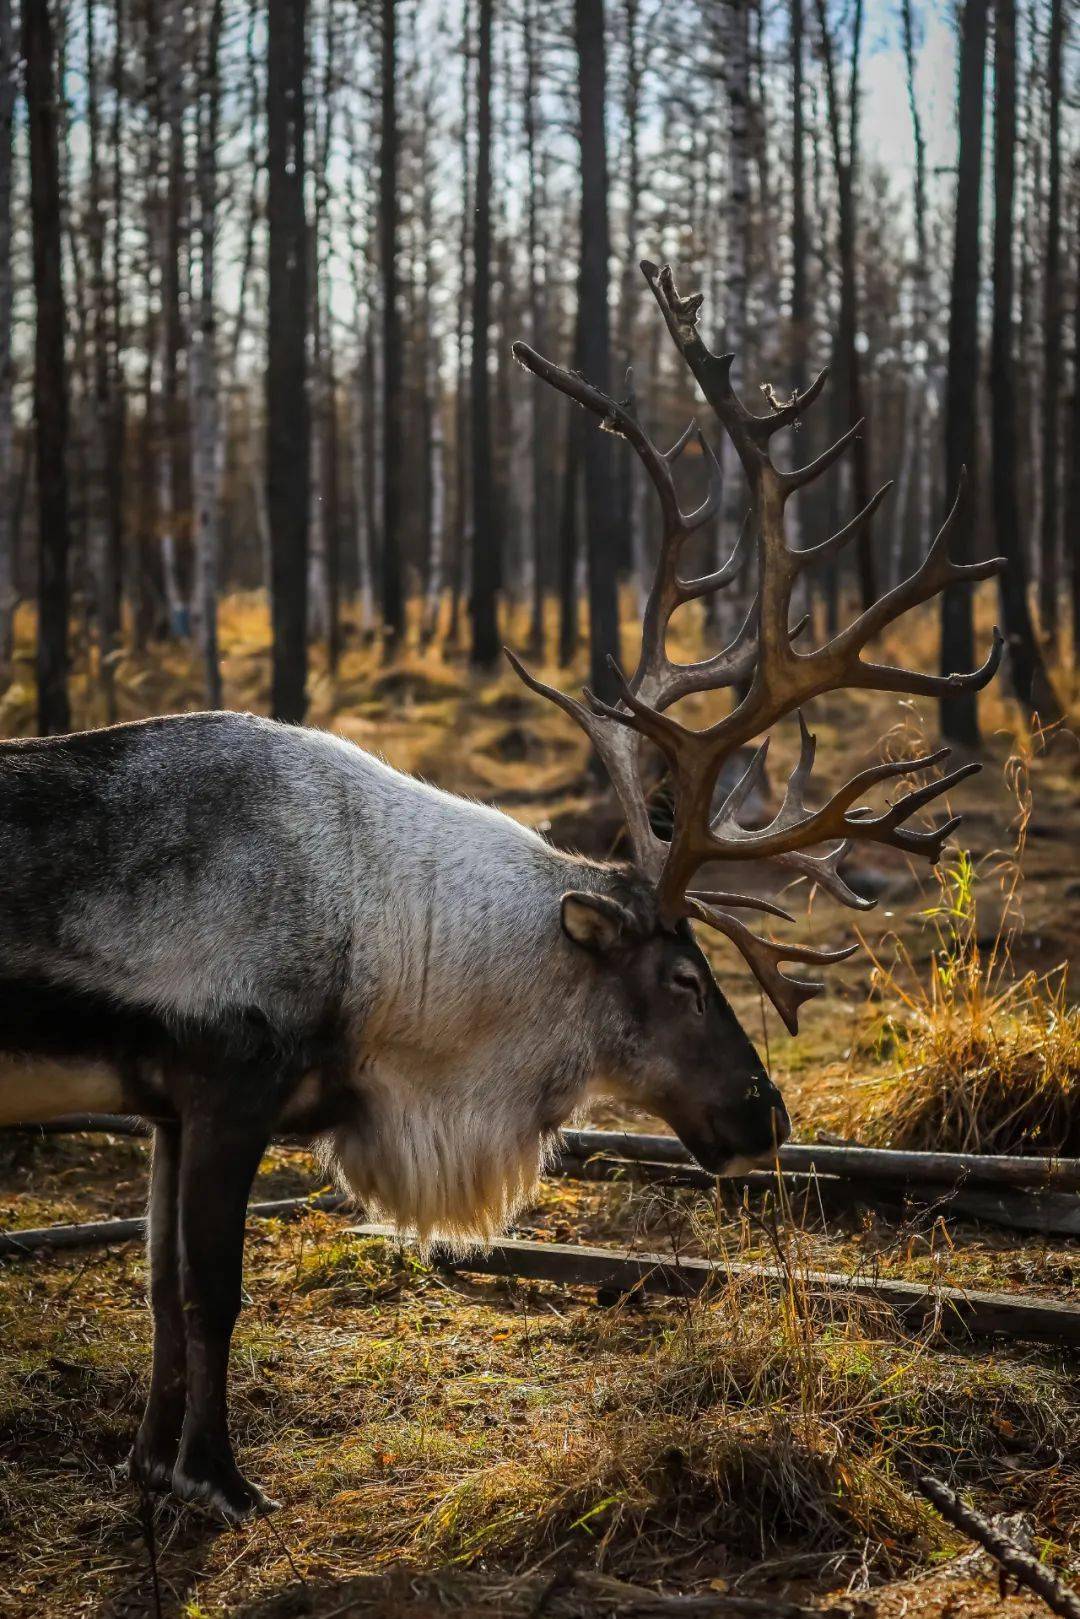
{"x": 220, "y": 1152}
{"x": 158, "y": 1440}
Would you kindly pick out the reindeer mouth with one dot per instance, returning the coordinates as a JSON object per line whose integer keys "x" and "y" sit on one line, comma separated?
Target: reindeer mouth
{"x": 723, "y": 1157}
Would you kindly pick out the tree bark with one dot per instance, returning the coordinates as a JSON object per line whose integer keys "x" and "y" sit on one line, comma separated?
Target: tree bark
{"x": 601, "y": 540}
{"x": 393, "y": 603}
{"x": 536, "y": 403}
{"x": 50, "y": 370}
{"x": 103, "y": 581}
{"x": 8, "y": 536}
{"x": 1073, "y": 510}
{"x": 1027, "y": 671}
{"x": 288, "y": 435}
{"x": 1051, "y": 384}
{"x": 485, "y": 630}
{"x": 206, "y": 450}
{"x": 959, "y": 712}
{"x": 848, "y": 406}
{"x": 914, "y": 505}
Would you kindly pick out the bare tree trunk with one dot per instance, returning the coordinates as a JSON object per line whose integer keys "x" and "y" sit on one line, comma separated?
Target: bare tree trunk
{"x": 9, "y": 69}
{"x": 914, "y": 504}
{"x": 538, "y": 417}
{"x": 1051, "y": 384}
{"x": 800, "y": 301}
{"x": 50, "y": 370}
{"x": 594, "y": 339}
{"x": 959, "y": 713}
{"x": 848, "y": 407}
{"x": 434, "y": 443}
{"x": 206, "y": 432}
{"x": 117, "y": 404}
{"x": 323, "y": 578}
{"x": 1030, "y": 682}
{"x": 1072, "y": 521}
{"x": 485, "y": 629}
{"x": 393, "y": 599}
{"x": 431, "y": 382}
{"x": 359, "y": 469}
{"x": 463, "y": 527}
{"x": 98, "y": 402}
{"x": 632, "y": 483}
{"x": 288, "y": 428}
{"x": 569, "y": 543}
{"x": 170, "y": 69}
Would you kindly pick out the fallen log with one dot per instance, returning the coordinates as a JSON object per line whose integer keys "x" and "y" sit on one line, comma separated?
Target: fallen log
{"x": 1013, "y": 1558}
{"x": 1048, "y": 1213}
{"x": 109, "y": 1233}
{"x": 867, "y": 1163}
{"x": 946, "y": 1309}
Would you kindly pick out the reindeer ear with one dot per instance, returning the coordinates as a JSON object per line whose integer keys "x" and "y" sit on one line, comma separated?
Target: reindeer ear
{"x": 595, "y": 922}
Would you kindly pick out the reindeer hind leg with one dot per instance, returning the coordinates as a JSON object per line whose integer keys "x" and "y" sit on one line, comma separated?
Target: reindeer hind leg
{"x": 220, "y": 1152}
{"x": 153, "y": 1455}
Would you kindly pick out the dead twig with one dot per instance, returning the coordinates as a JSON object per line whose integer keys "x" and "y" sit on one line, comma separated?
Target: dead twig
{"x": 146, "y": 1513}
{"x": 714, "y": 1604}
{"x": 1027, "y": 1569}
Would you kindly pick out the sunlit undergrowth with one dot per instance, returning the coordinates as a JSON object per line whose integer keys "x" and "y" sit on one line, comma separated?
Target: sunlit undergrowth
{"x": 745, "y": 1422}
{"x": 977, "y": 1057}
{"x": 408, "y": 1420}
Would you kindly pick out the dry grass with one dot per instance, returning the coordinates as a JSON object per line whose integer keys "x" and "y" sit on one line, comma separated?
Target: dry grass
{"x": 977, "y": 1057}
{"x": 412, "y": 1422}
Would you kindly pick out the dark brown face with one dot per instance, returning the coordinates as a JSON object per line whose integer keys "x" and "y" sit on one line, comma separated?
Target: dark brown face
{"x": 673, "y": 1045}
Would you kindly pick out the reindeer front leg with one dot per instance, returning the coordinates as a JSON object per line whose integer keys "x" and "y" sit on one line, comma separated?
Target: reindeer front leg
{"x": 153, "y": 1456}
{"x": 219, "y": 1154}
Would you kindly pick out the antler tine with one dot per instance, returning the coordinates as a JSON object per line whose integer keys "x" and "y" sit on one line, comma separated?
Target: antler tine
{"x": 785, "y": 415}
{"x": 763, "y": 957}
{"x": 799, "y": 477}
{"x": 672, "y": 455}
{"x": 823, "y": 870}
{"x": 751, "y": 902}
{"x": 710, "y": 506}
{"x": 616, "y": 417}
{"x": 691, "y": 589}
{"x": 836, "y": 542}
{"x": 618, "y": 752}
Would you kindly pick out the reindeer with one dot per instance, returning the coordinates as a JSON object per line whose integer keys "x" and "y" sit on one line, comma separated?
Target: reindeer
{"x": 232, "y": 928}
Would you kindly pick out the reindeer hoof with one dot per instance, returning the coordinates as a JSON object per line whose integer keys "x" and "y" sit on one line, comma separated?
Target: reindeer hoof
{"x": 222, "y": 1488}
{"x": 148, "y": 1470}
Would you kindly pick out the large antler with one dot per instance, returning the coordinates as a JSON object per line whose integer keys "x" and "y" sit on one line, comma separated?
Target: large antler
{"x": 777, "y": 678}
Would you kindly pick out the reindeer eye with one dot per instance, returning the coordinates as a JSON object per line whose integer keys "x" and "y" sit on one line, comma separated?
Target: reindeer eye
{"x": 687, "y": 982}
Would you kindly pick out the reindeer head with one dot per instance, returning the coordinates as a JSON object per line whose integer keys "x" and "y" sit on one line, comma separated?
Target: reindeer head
{"x": 773, "y": 679}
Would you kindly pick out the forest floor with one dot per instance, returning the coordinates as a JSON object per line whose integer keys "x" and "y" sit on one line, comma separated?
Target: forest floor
{"x": 446, "y": 1445}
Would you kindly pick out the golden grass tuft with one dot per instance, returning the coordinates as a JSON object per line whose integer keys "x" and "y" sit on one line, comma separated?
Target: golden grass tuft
{"x": 977, "y": 1058}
